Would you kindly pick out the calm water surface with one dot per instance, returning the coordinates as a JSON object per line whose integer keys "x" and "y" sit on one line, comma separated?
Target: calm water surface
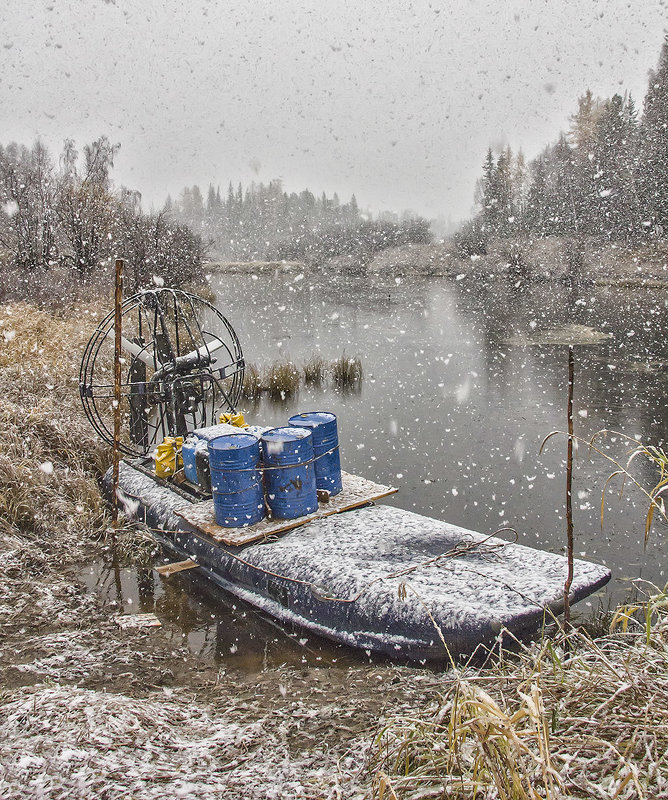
{"x": 452, "y": 410}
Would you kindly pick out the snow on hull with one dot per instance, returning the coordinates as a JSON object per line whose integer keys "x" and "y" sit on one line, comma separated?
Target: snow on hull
{"x": 379, "y": 578}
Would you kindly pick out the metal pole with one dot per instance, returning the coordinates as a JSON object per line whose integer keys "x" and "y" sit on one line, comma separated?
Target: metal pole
{"x": 118, "y": 302}
{"x": 569, "y": 488}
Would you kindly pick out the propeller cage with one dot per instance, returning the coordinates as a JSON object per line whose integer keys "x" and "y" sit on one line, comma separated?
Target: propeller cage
{"x": 181, "y": 365}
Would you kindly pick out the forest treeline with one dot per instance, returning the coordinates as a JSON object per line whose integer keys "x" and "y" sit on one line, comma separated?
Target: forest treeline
{"x": 263, "y": 221}
{"x": 67, "y": 212}
{"x": 606, "y": 176}
{"x": 70, "y": 214}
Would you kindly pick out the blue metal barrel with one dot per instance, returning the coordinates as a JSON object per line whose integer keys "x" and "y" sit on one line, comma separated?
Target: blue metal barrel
{"x": 289, "y": 472}
{"x": 322, "y": 424}
{"x": 236, "y": 480}
{"x": 188, "y": 456}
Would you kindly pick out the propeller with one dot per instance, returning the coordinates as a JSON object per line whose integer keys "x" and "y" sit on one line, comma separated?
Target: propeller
{"x": 171, "y": 340}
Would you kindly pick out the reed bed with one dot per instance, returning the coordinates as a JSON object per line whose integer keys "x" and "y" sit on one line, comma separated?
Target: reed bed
{"x": 347, "y": 372}
{"x": 569, "y": 717}
{"x": 282, "y": 380}
{"x": 252, "y": 385}
{"x": 315, "y": 371}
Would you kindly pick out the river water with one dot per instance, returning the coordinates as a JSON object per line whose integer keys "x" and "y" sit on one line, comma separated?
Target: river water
{"x": 462, "y": 383}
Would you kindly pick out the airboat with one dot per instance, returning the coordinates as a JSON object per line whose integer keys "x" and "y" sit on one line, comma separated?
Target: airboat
{"x": 352, "y": 569}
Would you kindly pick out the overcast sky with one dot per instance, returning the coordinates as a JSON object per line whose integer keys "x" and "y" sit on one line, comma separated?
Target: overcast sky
{"x": 395, "y": 101}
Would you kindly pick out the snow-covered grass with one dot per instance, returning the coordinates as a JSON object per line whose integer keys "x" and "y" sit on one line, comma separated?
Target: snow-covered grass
{"x": 66, "y": 742}
{"x": 49, "y": 499}
{"x": 569, "y": 717}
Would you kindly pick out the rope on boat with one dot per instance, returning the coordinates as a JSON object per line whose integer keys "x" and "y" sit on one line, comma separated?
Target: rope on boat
{"x": 460, "y": 549}
{"x": 265, "y": 468}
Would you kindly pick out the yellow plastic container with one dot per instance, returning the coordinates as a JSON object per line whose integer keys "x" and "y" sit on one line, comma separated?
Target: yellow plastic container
{"x": 233, "y": 419}
{"x": 167, "y": 456}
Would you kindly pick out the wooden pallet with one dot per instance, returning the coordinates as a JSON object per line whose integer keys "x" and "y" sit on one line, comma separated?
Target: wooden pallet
{"x": 356, "y": 492}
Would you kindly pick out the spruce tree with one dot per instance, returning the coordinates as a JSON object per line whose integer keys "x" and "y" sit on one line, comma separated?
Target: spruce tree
{"x": 654, "y": 149}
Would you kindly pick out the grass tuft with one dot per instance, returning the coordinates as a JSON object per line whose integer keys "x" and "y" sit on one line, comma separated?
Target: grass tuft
{"x": 314, "y": 371}
{"x": 282, "y": 380}
{"x": 569, "y": 717}
{"x": 252, "y": 385}
{"x": 347, "y": 372}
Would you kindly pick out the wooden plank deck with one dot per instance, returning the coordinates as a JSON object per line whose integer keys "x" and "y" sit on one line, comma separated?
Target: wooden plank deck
{"x": 356, "y": 492}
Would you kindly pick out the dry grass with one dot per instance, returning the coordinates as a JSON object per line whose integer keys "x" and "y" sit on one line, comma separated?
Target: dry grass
{"x": 95, "y": 740}
{"x": 252, "y": 385}
{"x": 315, "y": 370}
{"x": 51, "y": 508}
{"x": 347, "y": 372}
{"x": 50, "y": 456}
{"x": 63, "y": 741}
{"x": 544, "y": 724}
{"x": 282, "y": 380}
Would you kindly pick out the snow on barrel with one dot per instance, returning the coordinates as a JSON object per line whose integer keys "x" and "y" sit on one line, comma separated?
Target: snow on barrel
{"x": 236, "y": 480}
{"x": 322, "y": 425}
{"x": 289, "y": 472}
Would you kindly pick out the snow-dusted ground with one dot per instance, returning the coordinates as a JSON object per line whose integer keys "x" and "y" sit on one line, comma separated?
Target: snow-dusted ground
{"x": 90, "y": 710}
{"x": 64, "y": 741}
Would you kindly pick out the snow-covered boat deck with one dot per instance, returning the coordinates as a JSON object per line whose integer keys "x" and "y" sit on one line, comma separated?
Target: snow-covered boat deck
{"x": 423, "y": 574}
{"x": 375, "y": 577}
{"x": 356, "y": 492}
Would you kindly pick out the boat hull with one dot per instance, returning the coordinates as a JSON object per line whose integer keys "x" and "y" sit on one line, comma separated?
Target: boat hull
{"x": 377, "y": 578}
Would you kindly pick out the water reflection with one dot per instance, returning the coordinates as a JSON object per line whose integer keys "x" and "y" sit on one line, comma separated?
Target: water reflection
{"x": 455, "y": 414}
{"x": 210, "y": 623}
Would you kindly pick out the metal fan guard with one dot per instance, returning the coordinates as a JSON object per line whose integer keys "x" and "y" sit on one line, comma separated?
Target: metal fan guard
{"x": 188, "y": 386}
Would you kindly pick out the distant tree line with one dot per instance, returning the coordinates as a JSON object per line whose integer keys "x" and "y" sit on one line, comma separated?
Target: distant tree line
{"x": 71, "y": 215}
{"x": 361, "y": 240}
{"x": 263, "y": 221}
{"x": 607, "y": 176}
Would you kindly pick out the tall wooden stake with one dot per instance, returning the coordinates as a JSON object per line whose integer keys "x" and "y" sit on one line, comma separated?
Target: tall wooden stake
{"x": 118, "y": 301}
{"x": 569, "y": 488}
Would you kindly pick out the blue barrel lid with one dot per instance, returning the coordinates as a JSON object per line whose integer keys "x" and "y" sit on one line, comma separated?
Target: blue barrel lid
{"x": 285, "y": 434}
{"x": 311, "y": 419}
{"x": 233, "y": 441}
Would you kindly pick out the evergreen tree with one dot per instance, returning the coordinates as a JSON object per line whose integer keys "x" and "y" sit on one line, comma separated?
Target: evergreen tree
{"x": 537, "y": 198}
{"x": 654, "y": 149}
{"x": 615, "y": 154}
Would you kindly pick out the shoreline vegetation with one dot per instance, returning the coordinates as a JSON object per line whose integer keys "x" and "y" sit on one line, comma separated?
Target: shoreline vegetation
{"x": 568, "y": 716}
{"x": 83, "y": 699}
{"x": 521, "y": 260}
{"x": 282, "y": 379}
